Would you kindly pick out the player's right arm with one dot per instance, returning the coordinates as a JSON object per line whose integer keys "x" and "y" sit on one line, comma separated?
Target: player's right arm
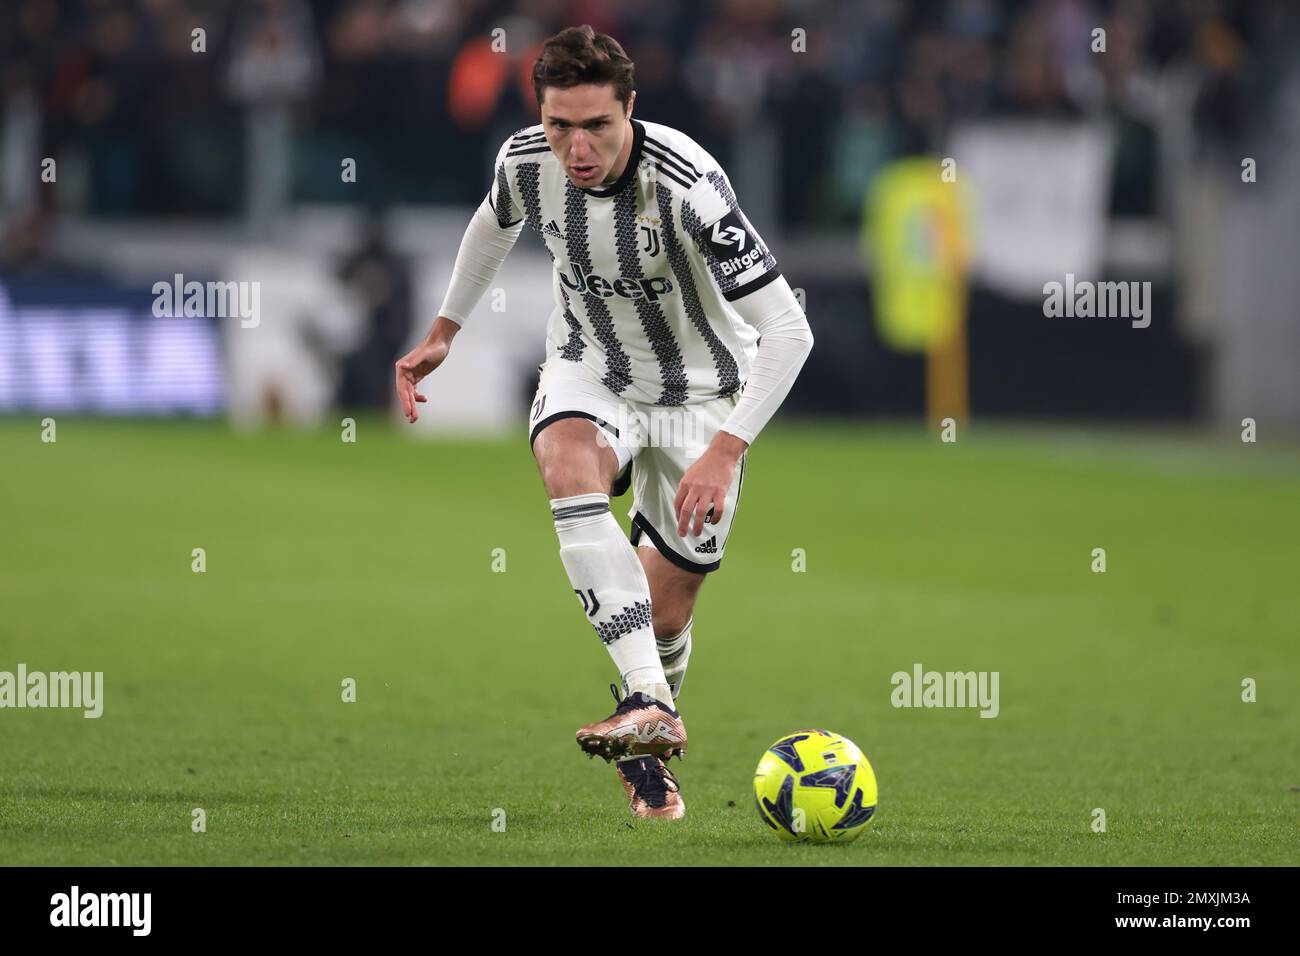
{"x": 488, "y": 239}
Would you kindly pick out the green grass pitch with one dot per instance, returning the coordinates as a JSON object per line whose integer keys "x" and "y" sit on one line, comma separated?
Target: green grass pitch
{"x": 373, "y": 560}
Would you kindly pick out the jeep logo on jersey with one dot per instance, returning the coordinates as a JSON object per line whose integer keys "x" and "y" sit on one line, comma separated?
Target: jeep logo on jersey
{"x": 733, "y": 246}
{"x": 651, "y": 287}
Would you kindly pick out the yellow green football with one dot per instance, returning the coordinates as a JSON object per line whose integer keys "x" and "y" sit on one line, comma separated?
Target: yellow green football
{"x": 816, "y": 787}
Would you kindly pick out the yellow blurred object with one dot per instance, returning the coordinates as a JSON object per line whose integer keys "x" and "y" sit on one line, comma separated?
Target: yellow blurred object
{"x": 916, "y": 235}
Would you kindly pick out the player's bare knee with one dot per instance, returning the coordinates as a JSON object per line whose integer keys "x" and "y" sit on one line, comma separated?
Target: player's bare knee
{"x": 571, "y": 462}
{"x": 574, "y": 473}
{"x": 670, "y": 619}
{"x": 565, "y": 483}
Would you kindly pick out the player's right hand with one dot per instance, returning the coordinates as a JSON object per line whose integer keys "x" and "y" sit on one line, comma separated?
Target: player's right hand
{"x": 412, "y": 367}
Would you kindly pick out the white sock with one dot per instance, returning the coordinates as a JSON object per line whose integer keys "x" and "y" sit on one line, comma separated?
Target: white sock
{"x": 607, "y": 575}
{"x": 675, "y": 654}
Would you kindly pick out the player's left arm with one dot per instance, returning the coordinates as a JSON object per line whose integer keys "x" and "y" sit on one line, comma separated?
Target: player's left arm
{"x": 764, "y": 300}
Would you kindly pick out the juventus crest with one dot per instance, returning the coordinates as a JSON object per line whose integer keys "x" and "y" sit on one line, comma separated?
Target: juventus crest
{"x": 650, "y": 233}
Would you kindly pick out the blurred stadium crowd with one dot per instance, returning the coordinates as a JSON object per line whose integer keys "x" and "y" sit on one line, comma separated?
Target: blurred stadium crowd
{"x": 414, "y": 90}
{"x": 207, "y": 137}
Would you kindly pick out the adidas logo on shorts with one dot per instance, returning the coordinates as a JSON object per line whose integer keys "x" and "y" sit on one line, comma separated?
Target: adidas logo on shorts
{"x": 708, "y": 547}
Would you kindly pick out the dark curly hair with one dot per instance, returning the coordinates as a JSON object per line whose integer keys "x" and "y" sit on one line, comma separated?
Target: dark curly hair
{"x": 579, "y": 55}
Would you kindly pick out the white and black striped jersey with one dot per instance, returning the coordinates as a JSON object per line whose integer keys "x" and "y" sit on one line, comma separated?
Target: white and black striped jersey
{"x": 647, "y": 269}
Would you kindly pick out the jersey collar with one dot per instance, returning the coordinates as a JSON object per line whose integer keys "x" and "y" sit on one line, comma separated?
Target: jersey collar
{"x": 633, "y": 160}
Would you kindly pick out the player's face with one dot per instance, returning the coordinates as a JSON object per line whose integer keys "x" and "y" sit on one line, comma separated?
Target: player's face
{"x": 588, "y": 130}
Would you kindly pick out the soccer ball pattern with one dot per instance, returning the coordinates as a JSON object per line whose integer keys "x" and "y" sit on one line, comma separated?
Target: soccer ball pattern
{"x": 815, "y": 787}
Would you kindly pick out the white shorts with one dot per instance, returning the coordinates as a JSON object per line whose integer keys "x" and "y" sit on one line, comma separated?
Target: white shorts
{"x": 658, "y": 443}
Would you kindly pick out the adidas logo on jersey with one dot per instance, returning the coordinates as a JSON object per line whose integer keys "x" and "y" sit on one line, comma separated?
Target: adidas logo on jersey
{"x": 708, "y": 547}
{"x": 552, "y": 228}
{"x": 650, "y": 287}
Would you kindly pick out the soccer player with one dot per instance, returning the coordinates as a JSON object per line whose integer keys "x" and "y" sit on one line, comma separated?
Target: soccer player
{"x": 673, "y": 341}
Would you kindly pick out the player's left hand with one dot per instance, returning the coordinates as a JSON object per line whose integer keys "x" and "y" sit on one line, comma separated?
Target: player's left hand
{"x": 704, "y": 486}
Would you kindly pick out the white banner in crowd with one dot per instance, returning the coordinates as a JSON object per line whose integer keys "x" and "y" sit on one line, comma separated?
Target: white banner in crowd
{"x": 1039, "y": 194}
